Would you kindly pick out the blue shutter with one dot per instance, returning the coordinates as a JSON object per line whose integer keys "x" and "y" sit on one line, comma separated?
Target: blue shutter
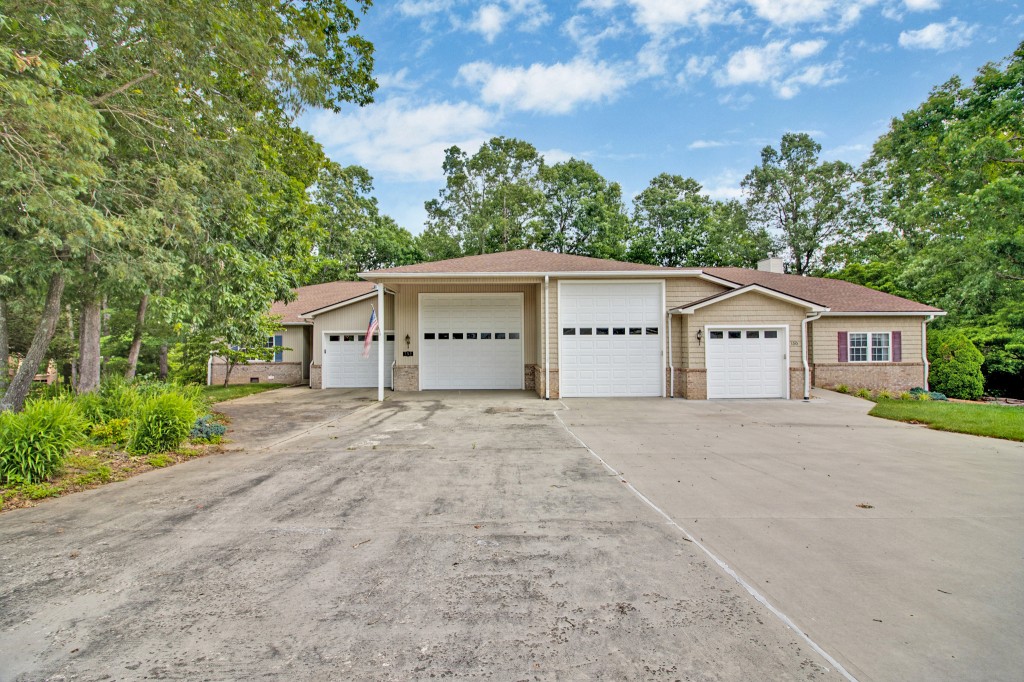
{"x": 278, "y": 342}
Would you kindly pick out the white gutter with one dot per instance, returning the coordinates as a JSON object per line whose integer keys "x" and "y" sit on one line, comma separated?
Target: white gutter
{"x": 547, "y": 343}
{"x": 209, "y": 371}
{"x": 931, "y": 314}
{"x": 807, "y": 366}
{"x": 381, "y": 343}
{"x": 671, "y": 369}
{"x": 924, "y": 349}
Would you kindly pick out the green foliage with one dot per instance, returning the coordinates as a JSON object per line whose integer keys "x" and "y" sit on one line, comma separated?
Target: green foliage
{"x": 38, "y": 491}
{"x": 905, "y": 395}
{"x": 35, "y": 442}
{"x": 163, "y": 423}
{"x": 217, "y": 394}
{"x": 995, "y": 421}
{"x": 582, "y": 213}
{"x": 955, "y": 365}
{"x": 114, "y": 431}
{"x": 841, "y": 388}
{"x": 883, "y": 395}
{"x": 206, "y": 430}
{"x": 159, "y": 461}
{"x": 863, "y": 393}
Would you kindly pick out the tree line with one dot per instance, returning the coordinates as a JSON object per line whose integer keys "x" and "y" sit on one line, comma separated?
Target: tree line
{"x": 156, "y": 196}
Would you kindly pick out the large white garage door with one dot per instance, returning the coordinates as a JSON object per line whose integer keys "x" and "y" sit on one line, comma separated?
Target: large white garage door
{"x": 471, "y": 341}
{"x": 344, "y": 365}
{"x": 746, "y": 363}
{"x": 610, "y": 339}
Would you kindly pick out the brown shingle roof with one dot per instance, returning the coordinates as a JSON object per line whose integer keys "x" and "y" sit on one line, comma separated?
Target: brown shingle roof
{"x": 839, "y": 296}
{"x": 318, "y": 296}
{"x": 525, "y": 260}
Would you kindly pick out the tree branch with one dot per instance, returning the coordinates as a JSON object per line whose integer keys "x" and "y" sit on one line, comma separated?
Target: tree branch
{"x": 117, "y": 91}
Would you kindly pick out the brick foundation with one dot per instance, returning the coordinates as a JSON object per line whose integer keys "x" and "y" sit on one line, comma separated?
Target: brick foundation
{"x": 407, "y": 377}
{"x": 890, "y": 376}
{"x": 265, "y": 372}
{"x": 694, "y": 384}
{"x": 316, "y": 376}
{"x": 529, "y": 377}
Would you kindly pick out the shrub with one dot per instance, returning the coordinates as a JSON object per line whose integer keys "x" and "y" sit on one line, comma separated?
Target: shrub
{"x": 163, "y": 423}
{"x": 37, "y": 491}
{"x": 205, "y": 430}
{"x": 111, "y": 432}
{"x": 35, "y": 442}
{"x": 159, "y": 461}
{"x": 956, "y": 365}
{"x": 906, "y": 395}
{"x": 863, "y": 393}
{"x": 842, "y": 388}
{"x": 120, "y": 399}
{"x": 883, "y": 395}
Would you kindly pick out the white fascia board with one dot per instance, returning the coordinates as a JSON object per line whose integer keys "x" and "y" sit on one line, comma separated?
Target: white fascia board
{"x": 814, "y": 307}
{"x": 538, "y": 275}
{"x": 916, "y": 313}
{"x": 328, "y": 308}
{"x": 296, "y": 324}
{"x": 718, "y": 280}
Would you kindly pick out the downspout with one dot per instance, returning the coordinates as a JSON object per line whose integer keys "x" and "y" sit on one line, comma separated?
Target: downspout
{"x": 671, "y": 368}
{"x": 209, "y": 371}
{"x": 547, "y": 343}
{"x": 807, "y": 366}
{"x": 924, "y": 349}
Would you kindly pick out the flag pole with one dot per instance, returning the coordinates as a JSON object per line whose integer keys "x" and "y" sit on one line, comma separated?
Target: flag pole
{"x": 381, "y": 342}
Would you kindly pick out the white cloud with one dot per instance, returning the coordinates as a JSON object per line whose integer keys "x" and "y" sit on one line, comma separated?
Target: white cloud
{"x": 399, "y": 138}
{"x": 489, "y": 21}
{"x": 776, "y": 64}
{"x": 395, "y": 80}
{"x": 553, "y": 156}
{"x": 423, "y": 8}
{"x": 725, "y": 185}
{"x": 548, "y": 88}
{"x": 922, "y": 5}
{"x": 791, "y": 11}
{"x": 586, "y": 38}
{"x": 532, "y": 14}
{"x": 707, "y": 144}
{"x": 659, "y": 17}
{"x": 938, "y": 36}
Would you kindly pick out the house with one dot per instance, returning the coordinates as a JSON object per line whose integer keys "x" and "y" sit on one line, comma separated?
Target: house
{"x": 572, "y": 326}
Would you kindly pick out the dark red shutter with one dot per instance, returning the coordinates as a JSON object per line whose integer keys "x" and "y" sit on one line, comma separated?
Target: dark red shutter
{"x": 897, "y": 346}
{"x": 844, "y": 348}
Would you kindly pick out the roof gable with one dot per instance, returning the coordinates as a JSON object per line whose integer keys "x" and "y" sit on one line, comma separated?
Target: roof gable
{"x": 748, "y": 289}
{"x": 318, "y": 296}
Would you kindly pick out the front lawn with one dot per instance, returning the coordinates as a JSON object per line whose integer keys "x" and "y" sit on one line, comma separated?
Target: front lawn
{"x": 218, "y": 394}
{"x": 994, "y": 421}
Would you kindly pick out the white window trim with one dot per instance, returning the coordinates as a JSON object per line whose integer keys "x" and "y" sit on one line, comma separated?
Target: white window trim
{"x": 868, "y": 348}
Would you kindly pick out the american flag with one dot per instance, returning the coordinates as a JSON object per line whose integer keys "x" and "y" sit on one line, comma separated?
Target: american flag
{"x": 369, "y": 332}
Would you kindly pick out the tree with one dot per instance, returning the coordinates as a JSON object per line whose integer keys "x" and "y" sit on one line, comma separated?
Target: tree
{"x": 179, "y": 133}
{"x": 732, "y": 240}
{"x": 491, "y": 201}
{"x": 670, "y": 220}
{"x": 955, "y": 365}
{"x": 805, "y": 201}
{"x": 353, "y": 236}
{"x": 582, "y": 213}
{"x": 246, "y": 340}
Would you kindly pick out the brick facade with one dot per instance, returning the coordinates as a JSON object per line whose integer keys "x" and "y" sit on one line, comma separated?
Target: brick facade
{"x": 264, "y": 372}
{"x": 407, "y": 377}
{"x": 316, "y": 376}
{"x": 891, "y": 376}
{"x": 538, "y": 381}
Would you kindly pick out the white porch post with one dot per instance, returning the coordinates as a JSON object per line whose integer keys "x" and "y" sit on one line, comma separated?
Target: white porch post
{"x": 381, "y": 342}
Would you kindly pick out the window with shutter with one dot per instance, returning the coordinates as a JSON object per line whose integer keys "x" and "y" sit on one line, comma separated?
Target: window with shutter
{"x": 844, "y": 348}
{"x": 897, "y": 346}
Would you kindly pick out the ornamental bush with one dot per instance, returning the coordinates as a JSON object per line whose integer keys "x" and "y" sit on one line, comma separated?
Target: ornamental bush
{"x": 35, "y": 442}
{"x": 163, "y": 423}
{"x": 955, "y": 365}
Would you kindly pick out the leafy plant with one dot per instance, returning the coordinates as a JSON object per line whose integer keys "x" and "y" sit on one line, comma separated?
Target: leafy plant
{"x": 163, "y": 423}
{"x": 35, "y": 442}
{"x": 956, "y": 365}
{"x": 906, "y": 395}
{"x": 863, "y": 393}
{"x": 206, "y": 430}
{"x": 159, "y": 461}
{"x": 37, "y": 491}
{"x": 111, "y": 432}
{"x": 883, "y": 395}
{"x": 841, "y": 388}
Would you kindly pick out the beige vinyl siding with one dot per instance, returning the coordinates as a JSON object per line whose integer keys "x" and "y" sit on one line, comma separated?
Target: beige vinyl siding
{"x": 407, "y": 311}
{"x": 292, "y": 340}
{"x": 350, "y": 318}
{"x": 745, "y": 310}
{"x": 825, "y": 334}
{"x": 681, "y": 291}
{"x": 553, "y": 330}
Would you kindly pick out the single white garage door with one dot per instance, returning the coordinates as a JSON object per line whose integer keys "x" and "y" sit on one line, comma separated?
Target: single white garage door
{"x": 471, "y": 341}
{"x": 747, "y": 363}
{"x": 611, "y": 339}
{"x": 344, "y": 365}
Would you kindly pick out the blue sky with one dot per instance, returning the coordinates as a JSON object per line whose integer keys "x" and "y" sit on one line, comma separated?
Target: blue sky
{"x": 641, "y": 87}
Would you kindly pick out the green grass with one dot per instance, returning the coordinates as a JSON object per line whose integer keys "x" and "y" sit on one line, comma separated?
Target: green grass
{"x": 216, "y": 394}
{"x": 994, "y": 421}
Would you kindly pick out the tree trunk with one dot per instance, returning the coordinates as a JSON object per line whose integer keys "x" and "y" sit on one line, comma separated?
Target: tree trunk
{"x": 5, "y": 346}
{"x": 14, "y": 398}
{"x": 89, "y": 345}
{"x": 228, "y": 366}
{"x": 74, "y": 362}
{"x": 163, "y": 362}
{"x": 133, "y": 351}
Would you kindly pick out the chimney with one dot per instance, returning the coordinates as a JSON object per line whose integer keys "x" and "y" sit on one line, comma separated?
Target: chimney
{"x": 771, "y": 265}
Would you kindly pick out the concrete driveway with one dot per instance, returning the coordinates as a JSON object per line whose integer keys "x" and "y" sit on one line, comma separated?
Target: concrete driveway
{"x": 926, "y": 584}
{"x": 443, "y": 535}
